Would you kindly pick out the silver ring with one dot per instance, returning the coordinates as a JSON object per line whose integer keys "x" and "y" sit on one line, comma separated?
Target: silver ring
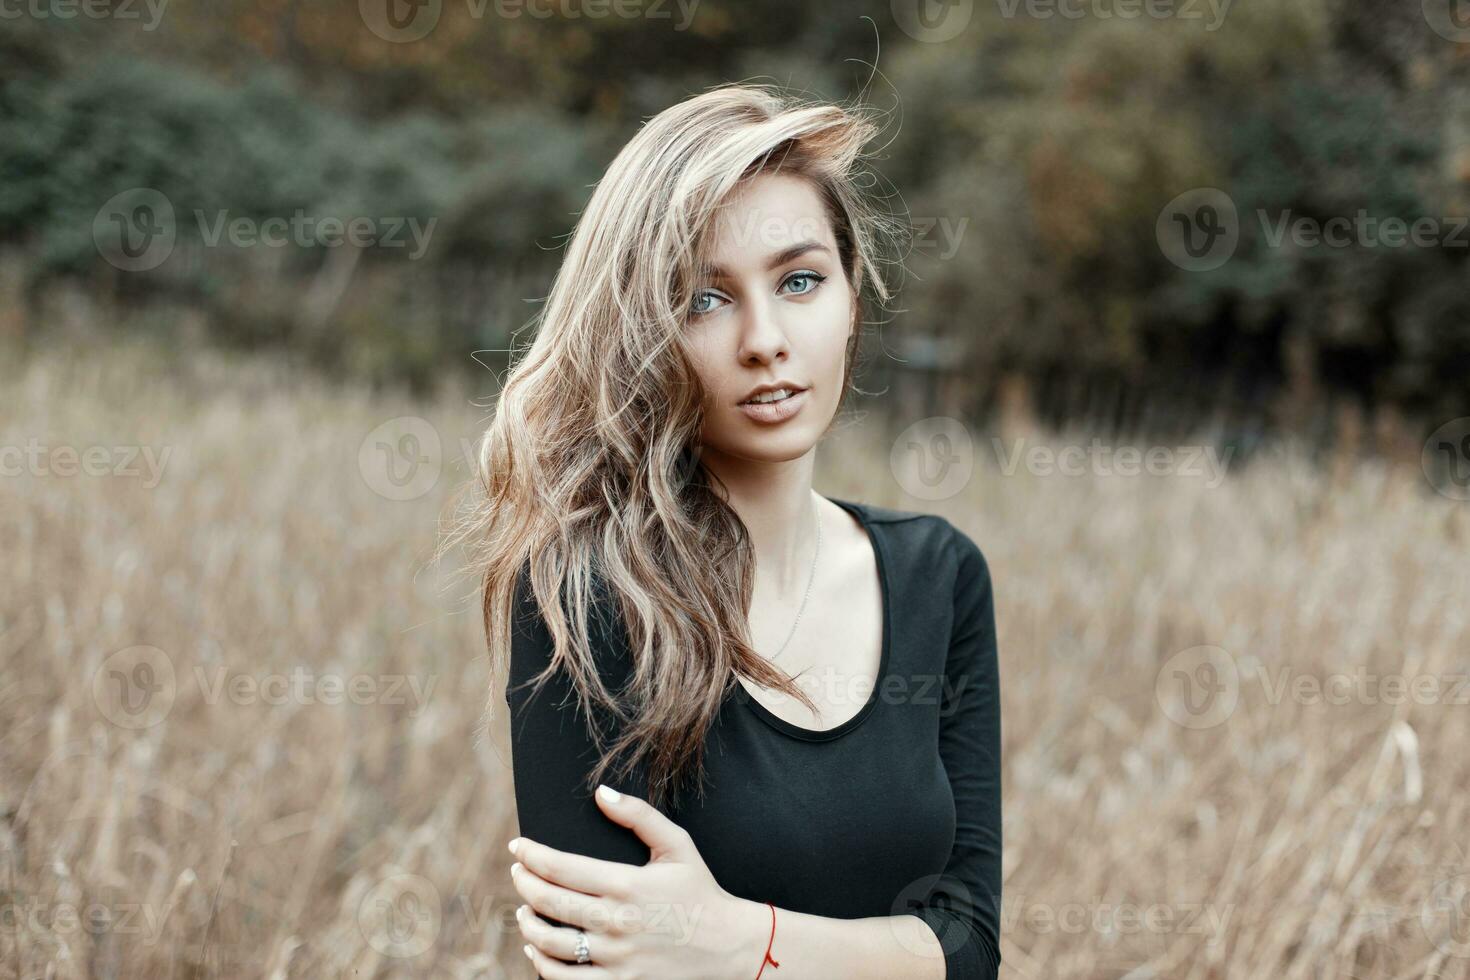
{"x": 584, "y": 955}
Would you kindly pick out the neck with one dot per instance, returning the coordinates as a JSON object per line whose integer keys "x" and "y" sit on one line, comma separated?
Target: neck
{"x": 776, "y": 503}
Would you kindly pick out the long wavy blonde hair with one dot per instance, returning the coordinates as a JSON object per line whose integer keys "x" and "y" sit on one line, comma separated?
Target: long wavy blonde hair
{"x": 589, "y": 482}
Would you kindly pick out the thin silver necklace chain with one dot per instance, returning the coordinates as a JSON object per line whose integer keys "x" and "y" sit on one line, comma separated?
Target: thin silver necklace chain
{"x": 812, "y": 577}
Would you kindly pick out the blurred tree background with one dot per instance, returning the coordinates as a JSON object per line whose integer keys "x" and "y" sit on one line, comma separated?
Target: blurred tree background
{"x": 1034, "y": 150}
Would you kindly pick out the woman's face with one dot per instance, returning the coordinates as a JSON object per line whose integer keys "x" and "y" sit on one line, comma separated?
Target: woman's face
{"x": 777, "y": 310}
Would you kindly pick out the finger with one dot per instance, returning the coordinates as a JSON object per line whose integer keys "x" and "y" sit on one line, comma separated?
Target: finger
{"x": 555, "y": 902}
{"x": 554, "y": 969}
{"x": 593, "y": 876}
{"x": 665, "y": 839}
{"x": 561, "y": 941}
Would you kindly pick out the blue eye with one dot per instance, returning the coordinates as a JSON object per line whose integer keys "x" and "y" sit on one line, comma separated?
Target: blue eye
{"x": 816, "y": 280}
{"x": 695, "y": 309}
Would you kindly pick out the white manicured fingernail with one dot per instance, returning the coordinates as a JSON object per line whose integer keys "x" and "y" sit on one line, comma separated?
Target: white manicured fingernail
{"x": 527, "y": 948}
{"x": 609, "y": 794}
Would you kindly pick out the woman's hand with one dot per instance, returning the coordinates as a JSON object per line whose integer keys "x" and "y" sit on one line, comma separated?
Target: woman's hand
{"x": 667, "y": 918}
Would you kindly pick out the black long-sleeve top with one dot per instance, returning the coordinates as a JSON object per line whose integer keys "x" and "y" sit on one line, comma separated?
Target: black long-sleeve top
{"x": 893, "y": 812}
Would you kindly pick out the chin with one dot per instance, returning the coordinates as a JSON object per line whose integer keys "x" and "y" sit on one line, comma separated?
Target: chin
{"x": 774, "y": 445}
{"x": 784, "y": 452}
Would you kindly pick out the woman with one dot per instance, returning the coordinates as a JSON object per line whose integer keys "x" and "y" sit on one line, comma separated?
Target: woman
{"x": 657, "y": 570}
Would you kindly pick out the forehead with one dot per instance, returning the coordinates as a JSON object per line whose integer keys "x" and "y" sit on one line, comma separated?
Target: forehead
{"x": 765, "y": 214}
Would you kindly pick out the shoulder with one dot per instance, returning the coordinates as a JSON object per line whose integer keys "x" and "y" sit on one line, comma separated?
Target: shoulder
{"x": 930, "y": 540}
{"x": 533, "y": 646}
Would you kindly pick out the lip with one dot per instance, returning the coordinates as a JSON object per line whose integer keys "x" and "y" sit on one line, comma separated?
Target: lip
{"x": 772, "y": 412}
{"x": 772, "y": 386}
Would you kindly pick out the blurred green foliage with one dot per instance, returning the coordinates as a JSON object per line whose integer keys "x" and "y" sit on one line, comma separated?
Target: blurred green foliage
{"x": 1034, "y": 153}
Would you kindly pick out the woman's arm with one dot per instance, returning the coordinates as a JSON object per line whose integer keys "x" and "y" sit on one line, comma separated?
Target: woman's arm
{"x": 964, "y": 906}
{"x": 552, "y": 752}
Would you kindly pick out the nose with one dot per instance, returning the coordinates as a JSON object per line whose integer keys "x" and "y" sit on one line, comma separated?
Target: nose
{"x": 762, "y": 335}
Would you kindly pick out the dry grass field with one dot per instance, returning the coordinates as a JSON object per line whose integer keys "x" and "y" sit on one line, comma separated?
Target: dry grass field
{"x": 240, "y": 709}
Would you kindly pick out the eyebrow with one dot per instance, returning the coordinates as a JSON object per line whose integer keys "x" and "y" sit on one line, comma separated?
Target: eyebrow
{"x": 778, "y": 259}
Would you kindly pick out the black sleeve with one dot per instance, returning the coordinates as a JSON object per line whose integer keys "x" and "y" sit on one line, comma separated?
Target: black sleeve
{"x": 964, "y": 906}
{"x": 552, "y": 752}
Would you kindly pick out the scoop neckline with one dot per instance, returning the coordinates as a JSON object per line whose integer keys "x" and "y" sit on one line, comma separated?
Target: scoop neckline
{"x": 859, "y": 511}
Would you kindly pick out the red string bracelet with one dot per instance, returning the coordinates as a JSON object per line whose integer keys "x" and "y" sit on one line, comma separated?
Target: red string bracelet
{"x": 768, "y": 945}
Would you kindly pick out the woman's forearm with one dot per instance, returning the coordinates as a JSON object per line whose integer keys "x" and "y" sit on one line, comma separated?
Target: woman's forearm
{"x": 815, "y": 947}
